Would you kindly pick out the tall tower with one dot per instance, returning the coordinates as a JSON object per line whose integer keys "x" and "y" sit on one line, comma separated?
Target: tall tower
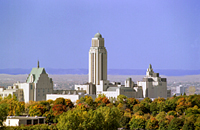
{"x": 97, "y": 60}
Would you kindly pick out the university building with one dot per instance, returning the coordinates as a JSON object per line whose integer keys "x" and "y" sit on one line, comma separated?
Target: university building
{"x": 37, "y": 85}
{"x": 151, "y": 86}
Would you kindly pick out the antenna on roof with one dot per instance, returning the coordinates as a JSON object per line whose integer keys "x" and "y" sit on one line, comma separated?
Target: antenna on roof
{"x": 38, "y": 64}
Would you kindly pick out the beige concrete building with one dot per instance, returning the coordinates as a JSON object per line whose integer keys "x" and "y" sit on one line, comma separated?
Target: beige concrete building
{"x": 97, "y": 60}
{"x": 37, "y": 85}
{"x": 98, "y": 74}
{"x": 153, "y": 86}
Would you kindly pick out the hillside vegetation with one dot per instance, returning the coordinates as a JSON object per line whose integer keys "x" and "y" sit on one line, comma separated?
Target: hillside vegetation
{"x": 177, "y": 112}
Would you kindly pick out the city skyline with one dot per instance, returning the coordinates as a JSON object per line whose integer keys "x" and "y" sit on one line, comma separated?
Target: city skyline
{"x": 58, "y": 33}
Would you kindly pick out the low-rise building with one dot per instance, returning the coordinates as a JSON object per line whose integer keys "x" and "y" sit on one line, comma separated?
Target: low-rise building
{"x": 25, "y": 120}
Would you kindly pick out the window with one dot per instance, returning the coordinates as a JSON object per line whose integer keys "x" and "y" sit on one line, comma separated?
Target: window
{"x": 41, "y": 121}
{"x": 31, "y": 86}
{"x": 35, "y": 122}
{"x": 29, "y": 122}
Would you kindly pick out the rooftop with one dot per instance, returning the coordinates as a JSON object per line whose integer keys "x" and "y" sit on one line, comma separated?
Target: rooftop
{"x": 24, "y": 117}
{"x": 98, "y": 35}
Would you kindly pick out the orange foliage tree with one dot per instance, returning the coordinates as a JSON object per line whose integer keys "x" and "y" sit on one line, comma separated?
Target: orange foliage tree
{"x": 102, "y": 100}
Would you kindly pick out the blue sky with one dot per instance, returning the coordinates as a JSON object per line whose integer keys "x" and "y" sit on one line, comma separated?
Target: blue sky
{"x": 165, "y": 33}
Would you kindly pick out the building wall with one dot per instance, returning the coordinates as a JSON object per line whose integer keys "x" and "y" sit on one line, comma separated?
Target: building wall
{"x": 110, "y": 94}
{"x": 153, "y": 87}
{"x": 144, "y": 87}
{"x": 6, "y": 92}
{"x": 43, "y": 86}
{"x": 73, "y": 98}
{"x": 19, "y": 120}
{"x": 128, "y": 93}
{"x": 83, "y": 87}
{"x": 102, "y": 87}
{"x": 11, "y": 122}
{"x": 168, "y": 93}
{"x": 97, "y": 61}
{"x": 28, "y": 90}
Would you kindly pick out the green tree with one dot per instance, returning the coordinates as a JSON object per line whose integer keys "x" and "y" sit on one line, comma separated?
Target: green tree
{"x": 197, "y": 124}
{"x": 37, "y": 110}
{"x": 70, "y": 120}
{"x": 122, "y": 99}
{"x": 189, "y": 123}
{"x": 101, "y": 118}
{"x": 152, "y": 124}
{"x": 176, "y": 124}
{"x": 163, "y": 122}
{"x": 111, "y": 116}
{"x": 131, "y": 102}
{"x": 3, "y": 112}
{"x": 146, "y": 102}
{"x": 137, "y": 122}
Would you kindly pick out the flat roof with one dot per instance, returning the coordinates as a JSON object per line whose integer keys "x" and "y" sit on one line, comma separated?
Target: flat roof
{"x": 25, "y": 117}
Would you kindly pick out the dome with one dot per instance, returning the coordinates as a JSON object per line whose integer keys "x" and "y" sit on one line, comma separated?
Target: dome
{"x": 98, "y": 35}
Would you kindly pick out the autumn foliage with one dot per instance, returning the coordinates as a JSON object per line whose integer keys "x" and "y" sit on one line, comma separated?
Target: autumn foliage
{"x": 177, "y": 112}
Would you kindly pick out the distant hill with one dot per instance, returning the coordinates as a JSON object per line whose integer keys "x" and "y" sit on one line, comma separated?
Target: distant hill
{"x": 110, "y": 71}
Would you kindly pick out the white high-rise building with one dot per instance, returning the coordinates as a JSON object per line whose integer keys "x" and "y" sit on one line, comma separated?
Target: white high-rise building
{"x": 97, "y": 60}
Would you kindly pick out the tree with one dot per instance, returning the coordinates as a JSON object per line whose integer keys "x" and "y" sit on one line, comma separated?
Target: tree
{"x": 111, "y": 116}
{"x": 137, "y": 122}
{"x": 28, "y": 104}
{"x": 197, "y": 124}
{"x": 176, "y": 124}
{"x": 152, "y": 124}
{"x": 14, "y": 107}
{"x": 69, "y": 103}
{"x": 139, "y": 107}
{"x": 3, "y": 112}
{"x": 163, "y": 122}
{"x": 37, "y": 110}
{"x": 146, "y": 103}
{"x": 122, "y": 99}
{"x": 102, "y": 100}
{"x": 131, "y": 102}
{"x": 101, "y": 118}
{"x": 50, "y": 118}
{"x": 87, "y": 100}
{"x": 189, "y": 123}
{"x": 60, "y": 101}
{"x": 182, "y": 104}
{"x": 173, "y": 113}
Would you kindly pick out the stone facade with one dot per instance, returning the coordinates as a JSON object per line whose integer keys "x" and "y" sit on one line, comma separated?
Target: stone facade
{"x": 37, "y": 85}
{"x": 153, "y": 86}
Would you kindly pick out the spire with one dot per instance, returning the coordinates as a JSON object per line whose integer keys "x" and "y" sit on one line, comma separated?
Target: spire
{"x": 38, "y": 64}
{"x": 150, "y": 66}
